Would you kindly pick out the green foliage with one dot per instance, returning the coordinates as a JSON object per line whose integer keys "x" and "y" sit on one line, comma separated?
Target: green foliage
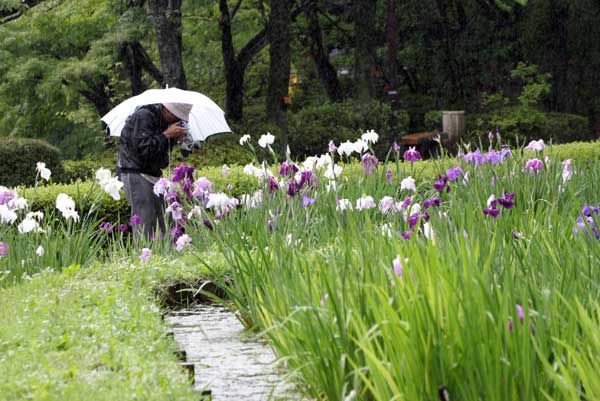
{"x": 535, "y": 85}
{"x": 78, "y": 170}
{"x": 311, "y": 129}
{"x": 18, "y": 158}
{"x": 88, "y": 198}
{"x": 89, "y": 334}
{"x": 517, "y": 124}
{"x": 433, "y": 120}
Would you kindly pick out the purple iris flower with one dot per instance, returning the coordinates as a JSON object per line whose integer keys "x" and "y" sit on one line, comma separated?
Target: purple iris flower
{"x": 441, "y": 184}
{"x": 172, "y": 196}
{"x": 187, "y": 188}
{"x": 491, "y": 211}
{"x": 273, "y": 186}
{"x": 331, "y": 147}
{"x": 389, "y": 176}
{"x": 270, "y": 225}
{"x": 370, "y": 163}
{"x": 587, "y": 220}
{"x": 6, "y": 196}
{"x": 494, "y": 157}
{"x": 135, "y": 220}
{"x": 3, "y": 249}
{"x": 208, "y": 224}
{"x": 177, "y": 232}
{"x": 307, "y": 201}
{"x": 309, "y": 178}
{"x": 395, "y": 147}
{"x": 406, "y": 234}
{"x": 533, "y": 165}
{"x": 413, "y": 220}
{"x": 406, "y": 203}
{"x": 412, "y": 155}
{"x": 431, "y": 202}
{"x": 106, "y": 226}
{"x": 475, "y": 158}
{"x": 454, "y": 173}
{"x": 180, "y": 172}
{"x": 122, "y": 228}
{"x": 293, "y": 187}
{"x": 507, "y": 200}
{"x": 505, "y": 152}
{"x": 287, "y": 169}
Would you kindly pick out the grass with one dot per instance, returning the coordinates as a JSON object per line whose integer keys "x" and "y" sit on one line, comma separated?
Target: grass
{"x": 93, "y": 333}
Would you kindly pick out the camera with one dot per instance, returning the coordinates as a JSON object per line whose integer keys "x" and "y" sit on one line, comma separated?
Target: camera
{"x": 187, "y": 142}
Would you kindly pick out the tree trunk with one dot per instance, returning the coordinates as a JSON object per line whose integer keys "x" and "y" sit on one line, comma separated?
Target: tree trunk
{"x": 363, "y": 16}
{"x": 327, "y": 74}
{"x": 278, "y": 33}
{"x": 392, "y": 44}
{"x": 166, "y": 16}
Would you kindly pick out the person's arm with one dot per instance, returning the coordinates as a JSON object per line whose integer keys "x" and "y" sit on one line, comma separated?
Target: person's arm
{"x": 149, "y": 142}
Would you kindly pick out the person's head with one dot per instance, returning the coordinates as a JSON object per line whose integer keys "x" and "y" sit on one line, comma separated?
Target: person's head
{"x": 173, "y": 112}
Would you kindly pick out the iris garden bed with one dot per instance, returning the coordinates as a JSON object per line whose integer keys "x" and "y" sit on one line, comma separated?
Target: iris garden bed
{"x": 488, "y": 289}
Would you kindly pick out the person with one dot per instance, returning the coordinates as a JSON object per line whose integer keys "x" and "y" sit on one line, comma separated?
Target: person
{"x": 146, "y": 141}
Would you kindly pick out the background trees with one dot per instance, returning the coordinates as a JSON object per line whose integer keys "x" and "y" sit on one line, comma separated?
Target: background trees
{"x": 64, "y": 63}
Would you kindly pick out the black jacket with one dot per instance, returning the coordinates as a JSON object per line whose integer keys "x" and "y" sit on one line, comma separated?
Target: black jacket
{"x": 144, "y": 148}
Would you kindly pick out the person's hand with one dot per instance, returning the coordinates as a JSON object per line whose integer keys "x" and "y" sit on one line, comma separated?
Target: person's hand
{"x": 174, "y": 131}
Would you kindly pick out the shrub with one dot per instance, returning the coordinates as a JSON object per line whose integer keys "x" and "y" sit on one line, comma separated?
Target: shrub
{"x": 79, "y": 170}
{"x": 18, "y": 158}
{"x": 519, "y": 125}
{"x": 311, "y": 129}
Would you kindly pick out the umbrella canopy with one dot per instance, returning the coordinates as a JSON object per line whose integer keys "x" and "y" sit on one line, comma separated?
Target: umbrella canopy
{"x": 206, "y": 118}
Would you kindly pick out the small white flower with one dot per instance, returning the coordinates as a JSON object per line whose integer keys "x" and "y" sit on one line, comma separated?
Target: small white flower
{"x": 428, "y": 232}
{"x": 324, "y": 160}
{"x": 43, "y": 171}
{"x": 244, "y": 139}
{"x": 331, "y": 186}
{"x": 343, "y": 204}
{"x": 64, "y": 202}
{"x": 110, "y": 185}
{"x": 266, "y": 140}
{"x": 310, "y": 162}
{"x": 386, "y": 230}
{"x": 219, "y": 202}
{"x": 28, "y": 225}
{"x": 386, "y": 204}
{"x": 333, "y": 171}
{"x": 408, "y": 183}
{"x": 40, "y": 251}
{"x": 360, "y": 146}
{"x": 346, "y": 149}
{"x": 17, "y": 203}
{"x": 370, "y": 137}
{"x": 7, "y": 215}
{"x": 39, "y": 216}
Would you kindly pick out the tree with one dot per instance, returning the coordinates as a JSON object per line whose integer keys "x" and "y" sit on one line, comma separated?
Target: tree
{"x": 235, "y": 65}
{"x": 365, "y": 43}
{"x": 327, "y": 73}
{"x": 280, "y": 55}
{"x": 166, "y": 16}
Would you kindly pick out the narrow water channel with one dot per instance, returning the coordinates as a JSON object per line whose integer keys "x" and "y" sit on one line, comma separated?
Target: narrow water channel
{"x": 232, "y": 365}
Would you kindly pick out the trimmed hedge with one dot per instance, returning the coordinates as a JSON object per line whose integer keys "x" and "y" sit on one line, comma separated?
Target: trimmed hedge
{"x": 311, "y": 129}
{"x": 18, "y": 159}
{"x": 523, "y": 126}
{"x": 87, "y": 194}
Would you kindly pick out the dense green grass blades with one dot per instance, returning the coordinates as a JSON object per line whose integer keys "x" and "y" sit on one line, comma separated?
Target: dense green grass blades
{"x": 77, "y": 335}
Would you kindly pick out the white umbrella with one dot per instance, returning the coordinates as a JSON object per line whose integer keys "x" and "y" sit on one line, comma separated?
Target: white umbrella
{"x": 206, "y": 118}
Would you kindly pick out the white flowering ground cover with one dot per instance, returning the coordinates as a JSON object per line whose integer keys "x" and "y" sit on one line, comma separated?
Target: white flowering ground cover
{"x": 375, "y": 281}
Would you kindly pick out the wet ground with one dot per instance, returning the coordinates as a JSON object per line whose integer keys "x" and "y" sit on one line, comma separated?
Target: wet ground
{"x": 233, "y": 365}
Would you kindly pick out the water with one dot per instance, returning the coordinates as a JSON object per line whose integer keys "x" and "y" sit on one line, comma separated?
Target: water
{"x": 226, "y": 360}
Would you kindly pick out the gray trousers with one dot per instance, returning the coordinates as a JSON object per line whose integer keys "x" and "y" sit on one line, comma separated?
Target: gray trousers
{"x": 140, "y": 195}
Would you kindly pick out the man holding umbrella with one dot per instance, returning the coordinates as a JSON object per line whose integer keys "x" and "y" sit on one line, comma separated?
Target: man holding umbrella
{"x": 146, "y": 140}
